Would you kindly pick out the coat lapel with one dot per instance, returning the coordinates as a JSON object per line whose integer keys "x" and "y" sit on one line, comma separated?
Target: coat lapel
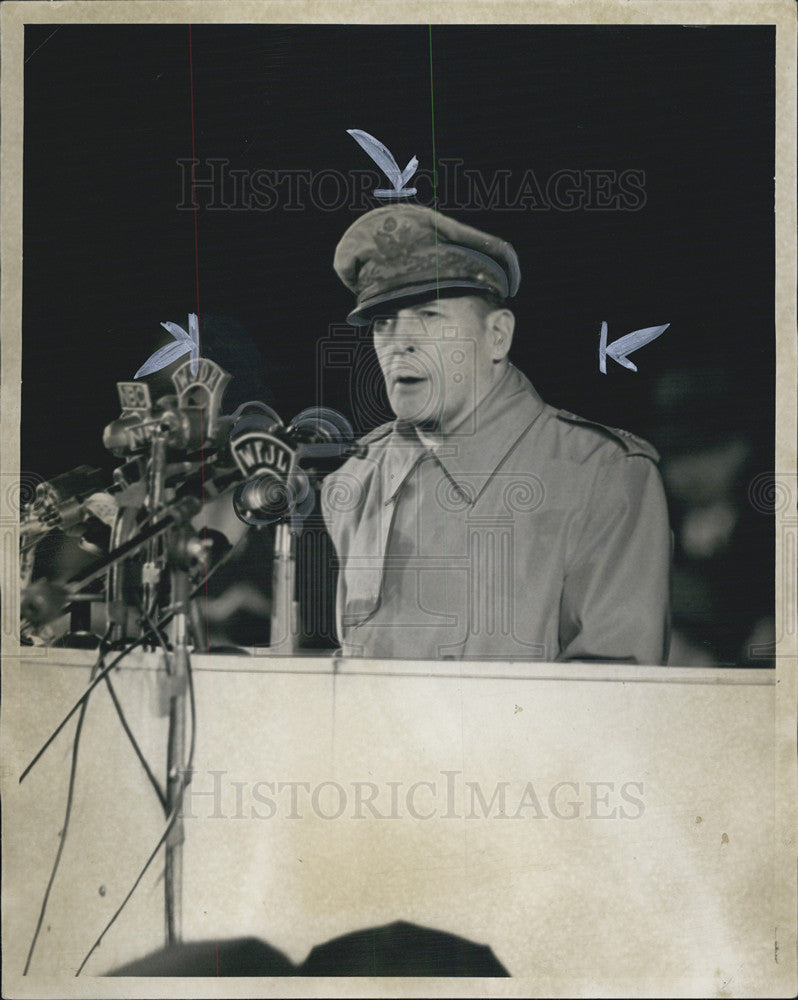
{"x": 475, "y": 452}
{"x": 469, "y": 457}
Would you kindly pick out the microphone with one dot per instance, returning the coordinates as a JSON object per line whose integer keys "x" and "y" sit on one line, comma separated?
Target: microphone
{"x": 61, "y": 502}
{"x": 134, "y": 430}
{"x": 188, "y": 420}
{"x": 46, "y": 599}
{"x": 268, "y": 454}
{"x": 266, "y": 457}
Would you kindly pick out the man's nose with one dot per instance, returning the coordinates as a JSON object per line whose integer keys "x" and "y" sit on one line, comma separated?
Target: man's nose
{"x": 408, "y": 332}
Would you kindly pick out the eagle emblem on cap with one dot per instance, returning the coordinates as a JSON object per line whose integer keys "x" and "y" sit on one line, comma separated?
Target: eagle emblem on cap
{"x": 415, "y": 250}
{"x": 394, "y": 243}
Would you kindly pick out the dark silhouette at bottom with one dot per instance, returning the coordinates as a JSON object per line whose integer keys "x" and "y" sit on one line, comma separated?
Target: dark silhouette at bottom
{"x": 398, "y": 949}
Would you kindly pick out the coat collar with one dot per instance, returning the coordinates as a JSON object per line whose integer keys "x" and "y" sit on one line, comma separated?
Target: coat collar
{"x": 470, "y": 455}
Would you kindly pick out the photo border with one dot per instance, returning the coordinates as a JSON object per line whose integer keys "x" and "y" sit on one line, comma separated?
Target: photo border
{"x": 14, "y": 16}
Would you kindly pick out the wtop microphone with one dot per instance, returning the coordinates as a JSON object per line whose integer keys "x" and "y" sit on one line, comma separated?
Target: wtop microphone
{"x": 278, "y": 463}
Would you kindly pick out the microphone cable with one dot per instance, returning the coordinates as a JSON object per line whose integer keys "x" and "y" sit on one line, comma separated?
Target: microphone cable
{"x": 134, "y": 644}
{"x": 155, "y": 627}
{"x": 169, "y": 822}
{"x": 67, "y": 811}
{"x": 134, "y": 743}
{"x": 81, "y": 705}
{"x": 71, "y": 788}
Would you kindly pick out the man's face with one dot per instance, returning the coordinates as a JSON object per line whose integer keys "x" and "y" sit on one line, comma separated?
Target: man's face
{"x": 436, "y": 359}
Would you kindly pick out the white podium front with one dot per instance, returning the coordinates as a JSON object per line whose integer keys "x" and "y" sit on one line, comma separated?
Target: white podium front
{"x": 606, "y": 830}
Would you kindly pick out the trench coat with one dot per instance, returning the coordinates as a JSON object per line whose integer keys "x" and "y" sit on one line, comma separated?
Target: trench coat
{"x": 529, "y": 534}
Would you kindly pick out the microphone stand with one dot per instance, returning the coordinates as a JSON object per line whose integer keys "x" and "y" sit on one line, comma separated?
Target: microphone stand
{"x": 177, "y": 665}
{"x": 169, "y": 543}
{"x": 284, "y": 630}
{"x": 50, "y": 599}
{"x": 177, "y": 668}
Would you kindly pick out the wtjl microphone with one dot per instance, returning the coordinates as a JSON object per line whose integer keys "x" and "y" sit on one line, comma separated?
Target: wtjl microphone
{"x": 280, "y": 464}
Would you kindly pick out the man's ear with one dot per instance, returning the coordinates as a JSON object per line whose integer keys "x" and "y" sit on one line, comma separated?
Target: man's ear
{"x": 501, "y": 326}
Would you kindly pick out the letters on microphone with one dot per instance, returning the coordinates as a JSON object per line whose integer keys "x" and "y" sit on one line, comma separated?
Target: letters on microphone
{"x": 204, "y": 390}
{"x": 257, "y": 451}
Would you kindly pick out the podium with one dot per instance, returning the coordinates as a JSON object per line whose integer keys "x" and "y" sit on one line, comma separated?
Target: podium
{"x": 603, "y": 828}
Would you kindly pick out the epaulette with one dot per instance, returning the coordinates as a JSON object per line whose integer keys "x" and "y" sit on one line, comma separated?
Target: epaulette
{"x": 631, "y": 443}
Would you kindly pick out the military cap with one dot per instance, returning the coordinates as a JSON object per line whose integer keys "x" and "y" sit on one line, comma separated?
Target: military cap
{"x": 404, "y": 251}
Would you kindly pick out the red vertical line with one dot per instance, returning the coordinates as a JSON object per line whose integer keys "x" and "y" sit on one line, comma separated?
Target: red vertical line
{"x": 199, "y": 340}
{"x": 196, "y": 285}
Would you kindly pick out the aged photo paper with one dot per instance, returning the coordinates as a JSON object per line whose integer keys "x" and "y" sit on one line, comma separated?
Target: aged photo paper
{"x": 230, "y": 786}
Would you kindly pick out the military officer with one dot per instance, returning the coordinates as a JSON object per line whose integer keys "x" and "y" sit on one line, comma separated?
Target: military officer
{"x": 481, "y": 522}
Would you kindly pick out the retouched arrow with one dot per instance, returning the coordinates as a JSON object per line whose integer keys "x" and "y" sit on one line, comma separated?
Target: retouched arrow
{"x": 619, "y": 349}
{"x": 185, "y": 343}
{"x": 383, "y": 157}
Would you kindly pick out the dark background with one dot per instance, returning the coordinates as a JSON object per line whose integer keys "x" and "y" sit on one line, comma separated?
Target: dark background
{"x": 108, "y": 254}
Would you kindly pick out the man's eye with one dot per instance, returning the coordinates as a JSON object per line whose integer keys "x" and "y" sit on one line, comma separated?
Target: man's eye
{"x": 382, "y": 325}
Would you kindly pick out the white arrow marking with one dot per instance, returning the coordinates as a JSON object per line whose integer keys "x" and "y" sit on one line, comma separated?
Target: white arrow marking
{"x": 619, "y": 349}
{"x": 185, "y": 343}
{"x": 383, "y": 157}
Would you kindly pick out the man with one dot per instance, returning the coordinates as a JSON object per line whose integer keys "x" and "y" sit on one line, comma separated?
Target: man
{"x": 482, "y": 522}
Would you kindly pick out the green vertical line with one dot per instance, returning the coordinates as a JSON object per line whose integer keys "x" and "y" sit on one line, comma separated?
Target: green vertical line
{"x": 435, "y": 200}
{"x": 437, "y": 280}
{"x": 432, "y": 112}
